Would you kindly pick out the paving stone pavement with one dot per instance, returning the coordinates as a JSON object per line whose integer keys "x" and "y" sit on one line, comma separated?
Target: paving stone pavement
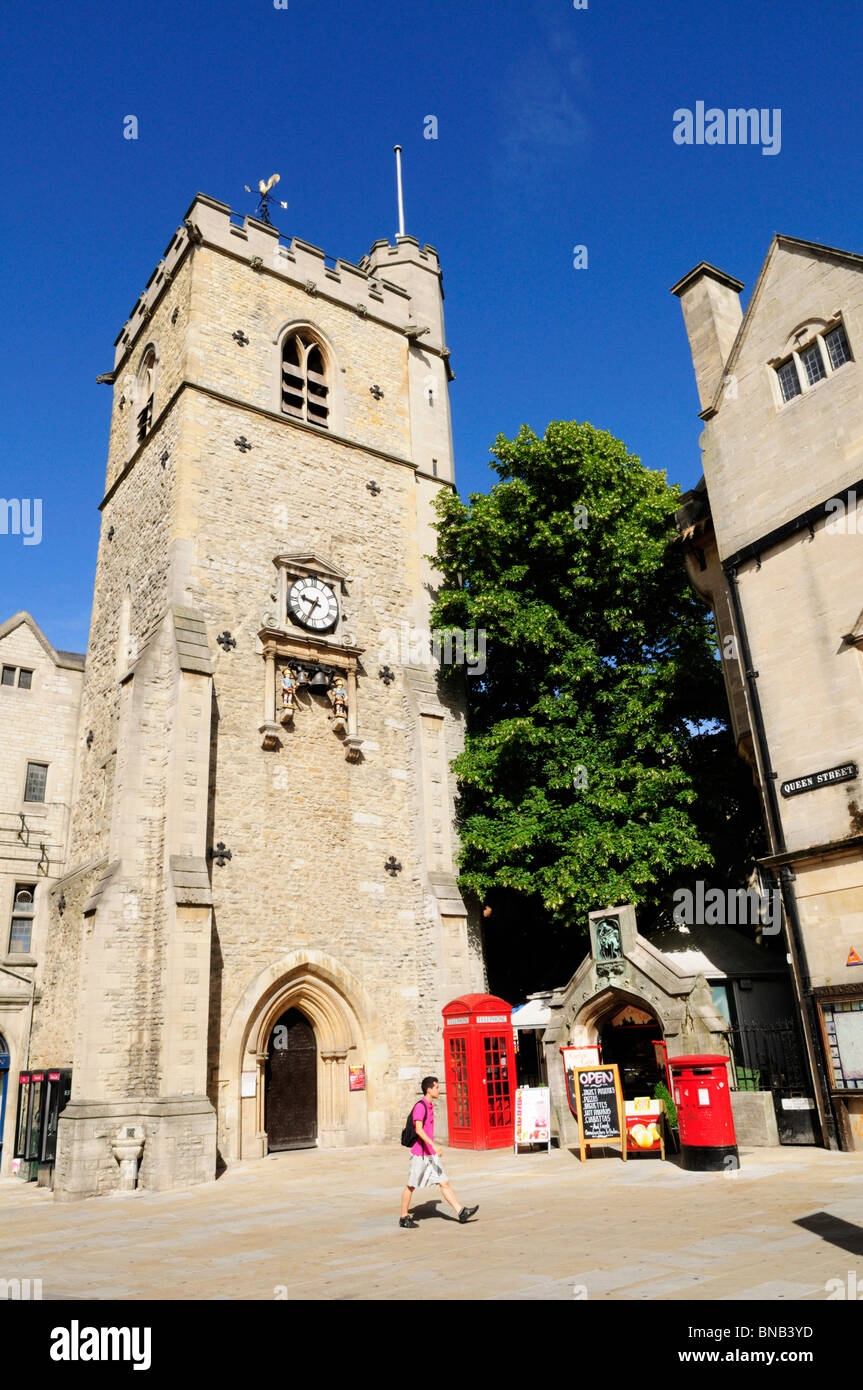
{"x": 322, "y": 1224}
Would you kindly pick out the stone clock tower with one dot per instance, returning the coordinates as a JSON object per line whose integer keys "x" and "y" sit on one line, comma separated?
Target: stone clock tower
{"x": 261, "y": 920}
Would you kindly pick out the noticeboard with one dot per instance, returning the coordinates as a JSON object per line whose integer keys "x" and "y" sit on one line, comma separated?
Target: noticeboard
{"x": 596, "y": 1100}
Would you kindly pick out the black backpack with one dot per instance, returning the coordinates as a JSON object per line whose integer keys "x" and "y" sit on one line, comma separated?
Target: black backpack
{"x": 409, "y": 1134}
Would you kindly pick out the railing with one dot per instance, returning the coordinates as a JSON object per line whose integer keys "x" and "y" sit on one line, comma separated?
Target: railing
{"x": 769, "y": 1056}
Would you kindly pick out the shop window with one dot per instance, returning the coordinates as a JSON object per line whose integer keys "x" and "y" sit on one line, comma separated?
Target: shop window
{"x": 843, "y": 1033}
{"x": 23, "y": 909}
{"x": 37, "y": 777}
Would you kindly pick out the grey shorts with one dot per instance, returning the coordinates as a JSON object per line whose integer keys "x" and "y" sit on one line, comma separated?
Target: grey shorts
{"x": 426, "y": 1170}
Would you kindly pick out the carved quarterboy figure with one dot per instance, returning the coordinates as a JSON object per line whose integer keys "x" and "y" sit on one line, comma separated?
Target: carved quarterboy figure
{"x": 340, "y": 699}
{"x": 288, "y": 695}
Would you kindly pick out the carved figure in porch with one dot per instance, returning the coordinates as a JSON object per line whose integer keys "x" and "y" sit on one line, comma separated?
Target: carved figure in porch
{"x": 608, "y": 939}
{"x": 340, "y": 699}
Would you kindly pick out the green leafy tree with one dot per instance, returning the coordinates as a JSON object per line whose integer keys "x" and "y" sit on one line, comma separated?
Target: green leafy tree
{"x": 601, "y": 699}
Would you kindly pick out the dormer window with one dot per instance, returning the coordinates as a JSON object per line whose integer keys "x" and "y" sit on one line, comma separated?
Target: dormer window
{"x": 812, "y": 362}
{"x": 304, "y": 379}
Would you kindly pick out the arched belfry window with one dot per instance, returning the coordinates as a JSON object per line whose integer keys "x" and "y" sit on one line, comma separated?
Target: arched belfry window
{"x": 144, "y": 394}
{"x": 305, "y": 393}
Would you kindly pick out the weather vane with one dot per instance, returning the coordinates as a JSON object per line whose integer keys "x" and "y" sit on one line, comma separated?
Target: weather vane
{"x": 264, "y": 205}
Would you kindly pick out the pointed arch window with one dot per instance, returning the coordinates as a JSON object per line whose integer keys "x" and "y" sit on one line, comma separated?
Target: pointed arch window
{"x": 305, "y": 392}
{"x": 144, "y": 395}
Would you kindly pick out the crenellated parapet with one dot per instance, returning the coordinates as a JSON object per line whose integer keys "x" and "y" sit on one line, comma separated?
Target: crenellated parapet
{"x": 384, "y": 287}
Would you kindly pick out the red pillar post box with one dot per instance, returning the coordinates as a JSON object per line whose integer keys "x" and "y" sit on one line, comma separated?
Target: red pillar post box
{"x": 703, "y": 1100}
{"x": 480, "y": 1071}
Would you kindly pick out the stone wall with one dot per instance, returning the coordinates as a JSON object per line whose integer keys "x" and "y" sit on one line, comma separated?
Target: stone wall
{"x": 40, "y": 725}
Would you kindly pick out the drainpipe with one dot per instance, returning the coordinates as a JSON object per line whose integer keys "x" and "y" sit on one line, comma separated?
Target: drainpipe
{"x": 794, "y": 934}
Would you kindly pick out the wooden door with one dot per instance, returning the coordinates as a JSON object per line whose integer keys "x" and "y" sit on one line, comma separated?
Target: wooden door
{"x": 292, "y": 1084}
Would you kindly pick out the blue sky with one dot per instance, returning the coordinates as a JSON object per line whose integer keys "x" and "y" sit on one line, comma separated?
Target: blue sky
{"x": 554, "y": 130}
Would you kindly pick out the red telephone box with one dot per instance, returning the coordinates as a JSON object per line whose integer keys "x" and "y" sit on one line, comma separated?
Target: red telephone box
{"x": 703, "y": 1100}
{"x": 480, "y": 1071}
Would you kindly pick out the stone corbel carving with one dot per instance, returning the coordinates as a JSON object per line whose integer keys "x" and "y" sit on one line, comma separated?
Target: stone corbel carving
{"x": 607, "y": 970}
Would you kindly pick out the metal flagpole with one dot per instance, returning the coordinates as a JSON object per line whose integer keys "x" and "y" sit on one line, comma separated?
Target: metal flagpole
{"x": 398, "y": 153}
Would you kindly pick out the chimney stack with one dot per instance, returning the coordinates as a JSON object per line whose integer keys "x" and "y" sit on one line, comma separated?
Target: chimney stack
{"x": 710, "y": 300}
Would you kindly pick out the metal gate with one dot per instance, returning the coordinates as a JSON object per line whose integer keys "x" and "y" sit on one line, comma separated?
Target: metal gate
{"x": 771, "y": 1057}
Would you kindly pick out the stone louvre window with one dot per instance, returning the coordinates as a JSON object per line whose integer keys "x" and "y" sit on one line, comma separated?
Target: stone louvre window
{"x": 813, "y": 362}
{"x": 145, "y": 419}
{"x": 145, "y": 393}
{"x": 23, "y": 908}
{"x": 304, "y": 379}
{"x": 37, "y": 777}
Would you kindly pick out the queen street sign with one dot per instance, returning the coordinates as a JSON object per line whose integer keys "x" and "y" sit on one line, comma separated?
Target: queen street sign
{"x": 846, "y": 772}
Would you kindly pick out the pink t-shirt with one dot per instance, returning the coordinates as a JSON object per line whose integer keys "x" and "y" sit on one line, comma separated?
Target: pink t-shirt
{"x": 423, "y": 1114}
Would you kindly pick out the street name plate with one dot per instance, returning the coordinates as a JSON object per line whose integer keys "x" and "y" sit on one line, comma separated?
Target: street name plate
{"x": 846, "y": 772}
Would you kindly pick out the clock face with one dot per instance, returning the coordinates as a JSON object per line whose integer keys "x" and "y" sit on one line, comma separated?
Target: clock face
{"x": 313, "y": 604}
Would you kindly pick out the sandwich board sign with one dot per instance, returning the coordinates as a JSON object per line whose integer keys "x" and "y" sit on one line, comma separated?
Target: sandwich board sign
{"x": 532, "y": 1116}
{"x": 596, "y": 1101}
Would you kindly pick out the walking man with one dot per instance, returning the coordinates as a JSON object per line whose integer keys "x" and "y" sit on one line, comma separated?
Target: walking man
{"x": 426, "y": 1169}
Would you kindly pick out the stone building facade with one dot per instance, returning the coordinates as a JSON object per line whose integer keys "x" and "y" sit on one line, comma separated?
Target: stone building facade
{"x": 262, "y": 921}
{"x": 40, "y": 695}
{"x": 774, "y": 543}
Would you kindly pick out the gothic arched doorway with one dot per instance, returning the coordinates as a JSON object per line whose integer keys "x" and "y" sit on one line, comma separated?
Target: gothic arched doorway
{"x": 291, "y": 1084}
{"x": 626, "y": 1036}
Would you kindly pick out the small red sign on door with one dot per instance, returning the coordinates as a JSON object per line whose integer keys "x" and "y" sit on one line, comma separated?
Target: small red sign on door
{"x": 357, "y": 1078}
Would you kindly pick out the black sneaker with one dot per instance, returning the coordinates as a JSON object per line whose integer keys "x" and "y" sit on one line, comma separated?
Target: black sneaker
{"x": 466, "y": 1213}
{"x": 409, "y": 1223}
